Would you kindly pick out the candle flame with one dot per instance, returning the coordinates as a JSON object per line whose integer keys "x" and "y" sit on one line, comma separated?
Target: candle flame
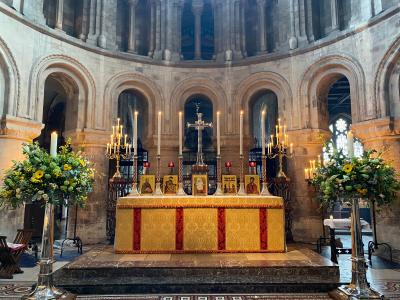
{"x": 241, "y": 112}
{"x": 136, "y": 112}
{"x": 159, "y": 113}
{"x": 180, "y": 113}
{"x": 218, "y": 112}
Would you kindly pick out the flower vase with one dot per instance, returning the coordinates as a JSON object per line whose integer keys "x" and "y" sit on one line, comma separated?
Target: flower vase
{"x": 45, "y": 288}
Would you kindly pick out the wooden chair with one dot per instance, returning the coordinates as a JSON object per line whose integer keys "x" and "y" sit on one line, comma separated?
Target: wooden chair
{"x": 10, "y": 256}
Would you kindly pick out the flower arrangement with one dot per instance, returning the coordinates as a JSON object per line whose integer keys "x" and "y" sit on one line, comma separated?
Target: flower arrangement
{"x": 66, "y": 179}
{"x": 368, "y": 177}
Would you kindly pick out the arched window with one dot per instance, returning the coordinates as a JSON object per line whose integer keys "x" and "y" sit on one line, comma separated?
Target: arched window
{"x": 339, "y": 111}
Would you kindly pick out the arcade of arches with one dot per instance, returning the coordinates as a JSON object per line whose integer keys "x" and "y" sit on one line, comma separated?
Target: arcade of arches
{"x": 75, "y": 66}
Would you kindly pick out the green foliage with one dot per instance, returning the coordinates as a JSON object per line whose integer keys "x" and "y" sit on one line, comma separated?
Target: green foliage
{"x": 64, "y": 180}
{"x": 368, "y": 177}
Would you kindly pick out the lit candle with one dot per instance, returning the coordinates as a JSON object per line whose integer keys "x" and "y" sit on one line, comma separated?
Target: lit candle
{"x": 125, "y": 137}
{"x": 241, "y": 132}
{"x": 263, "y": 132}
{"x": 319, "y": 160}
{"x": 180, "y": 133}
{"x": 108, "y": 148}
{"x": 331, "y": 217}
{"x": 218, "y": 134}
{"x": 53, "y": 144}
{"x": 135, "y": 134}
{"x": 350, "y": 143}
{"x": 118, "y": 122}
{"x": 113, "y": 129}
{"x": 291, "y": 148}
{"x": 159, "y": 133}
{"x": 306, "y": 174}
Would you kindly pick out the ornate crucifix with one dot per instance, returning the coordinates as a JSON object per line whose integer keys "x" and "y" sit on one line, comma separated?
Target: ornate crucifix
{"x": 199, "y": 125}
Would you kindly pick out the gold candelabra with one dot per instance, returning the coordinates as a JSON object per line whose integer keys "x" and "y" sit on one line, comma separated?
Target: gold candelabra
{"x": 118, "y": 147}
{"x": 279, "y": 145}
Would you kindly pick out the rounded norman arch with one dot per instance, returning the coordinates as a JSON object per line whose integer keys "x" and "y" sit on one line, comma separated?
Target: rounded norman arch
{"x": 317, "y": 81}
{"x": 62, "y": 65}
{"x": 265, "y": 81}
{"x": 200, "y": 85}
{"x": 387, "y": 82}
{"x": 131, "y": 81}
{"x": 8, "y": 67}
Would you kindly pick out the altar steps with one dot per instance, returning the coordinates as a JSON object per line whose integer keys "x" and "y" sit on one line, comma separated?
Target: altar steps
{"x": 100, "y": 271}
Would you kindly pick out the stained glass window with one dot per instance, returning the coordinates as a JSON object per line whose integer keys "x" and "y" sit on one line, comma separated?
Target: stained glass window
{"x": 339, "y": 128}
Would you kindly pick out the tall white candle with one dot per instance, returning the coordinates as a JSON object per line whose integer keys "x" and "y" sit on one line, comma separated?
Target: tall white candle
{"x": 241, "y": 132}
{"x": 53, "y": 144}
{"x": 218, "y": 134}
{"x": 263, "y": 132}
{"x": 180, "y": 133}
{"x": 159, "y": 133}
{"x": 135, "y": 134}
{"x": 350, "y": 143}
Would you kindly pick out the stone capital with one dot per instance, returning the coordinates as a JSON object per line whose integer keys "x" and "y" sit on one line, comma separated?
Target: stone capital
{"x": 377, "y": 129}
{"x": 197, "y": 7}
{"x": 19, "y": 128}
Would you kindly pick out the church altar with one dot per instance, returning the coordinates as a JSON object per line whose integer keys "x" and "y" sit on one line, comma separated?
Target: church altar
{"x": 204, "y": 224}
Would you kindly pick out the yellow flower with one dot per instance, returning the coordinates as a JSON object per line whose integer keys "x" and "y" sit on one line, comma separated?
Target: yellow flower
{"x": 38, "y": 174}
{"x": 362, "y": 192}
{"x": 67, "y": 167}
{"x": 348, "y": 168}
{"x": 82, "y": 162}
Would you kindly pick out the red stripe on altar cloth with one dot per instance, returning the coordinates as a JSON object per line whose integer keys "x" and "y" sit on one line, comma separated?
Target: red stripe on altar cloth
{"x": 179, "y": 229}
{"x": 137, "y": 222}
{"x": 263, "y": 229}
{"x": 221, "y": 229}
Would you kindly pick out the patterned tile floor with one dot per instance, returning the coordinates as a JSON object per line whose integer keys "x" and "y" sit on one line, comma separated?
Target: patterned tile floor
{"x": 383, "y": 276}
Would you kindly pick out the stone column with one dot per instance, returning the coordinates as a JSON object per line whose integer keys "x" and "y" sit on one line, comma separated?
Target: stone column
{"x": 157, "y": 31}
{"x": 91, "y": 220}
{"x": 172, "y": 31}
{"x": 334, "y": 15}
{"x": 14, "y": 132}
{"x": 262, "y": 34}
{"x": 152, "y": 38}
{"x": 361, "y": 11}
{"x": 101, "y": 40}
{"x": 384, "y": 134}
{"x": 377, "y": 7}
{"x": 309, "y": 21}
{"x": 197, "y": 9}
{"x": 132, "y": 26}
{"x": 32, "y": 10}
{"x": 94, "y": 20}
{"x": 59, "y": 14}
{"x": 243, "y": 27}
{"x": 307, "y": 218}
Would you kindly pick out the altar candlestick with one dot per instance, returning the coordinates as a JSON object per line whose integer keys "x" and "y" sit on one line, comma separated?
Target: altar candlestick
{"x": 108, "y": 147}
{"x": 306, "y": 174}
{"x": 350, "y": 143}
{"x": 218, "y": 134}
{"x": 241, "y": 132}
{"x": 291, "y": 148}
{"x": 135, "y": 134}
{"x": 159, "y": 133}
{"x": 180, "y": 132}
{"x": 263, "y": 132}
{"x": 118, "y": 119}
{"x": 53, "y": 144}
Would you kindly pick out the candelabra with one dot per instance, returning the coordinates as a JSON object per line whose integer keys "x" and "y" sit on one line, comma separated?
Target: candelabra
{"x": 115, "y": 149}
{"x": 181, "y": 191}
{"x": 280, "y": 143}
{"x": 219, "y": 173}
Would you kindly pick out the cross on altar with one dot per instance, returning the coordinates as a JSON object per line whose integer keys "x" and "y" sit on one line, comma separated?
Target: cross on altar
{"x": 199, "y": 125}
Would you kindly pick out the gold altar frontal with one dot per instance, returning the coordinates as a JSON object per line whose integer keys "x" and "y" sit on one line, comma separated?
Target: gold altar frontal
{"x": 204, "y": 224}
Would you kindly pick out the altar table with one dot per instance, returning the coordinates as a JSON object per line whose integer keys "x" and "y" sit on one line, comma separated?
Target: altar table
{"x": 204, "y": 224}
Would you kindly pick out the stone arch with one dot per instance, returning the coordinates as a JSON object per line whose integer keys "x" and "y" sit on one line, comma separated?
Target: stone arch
{"x": 320, "y": 76}
{"x": 8, "y": 67}
{"x": 262, "y": 81}
{"x": 76, "y": 74}
{"x": 131, "y": 81}
{"x": 204, "y": 86}
{"x": 387, "y": 82}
